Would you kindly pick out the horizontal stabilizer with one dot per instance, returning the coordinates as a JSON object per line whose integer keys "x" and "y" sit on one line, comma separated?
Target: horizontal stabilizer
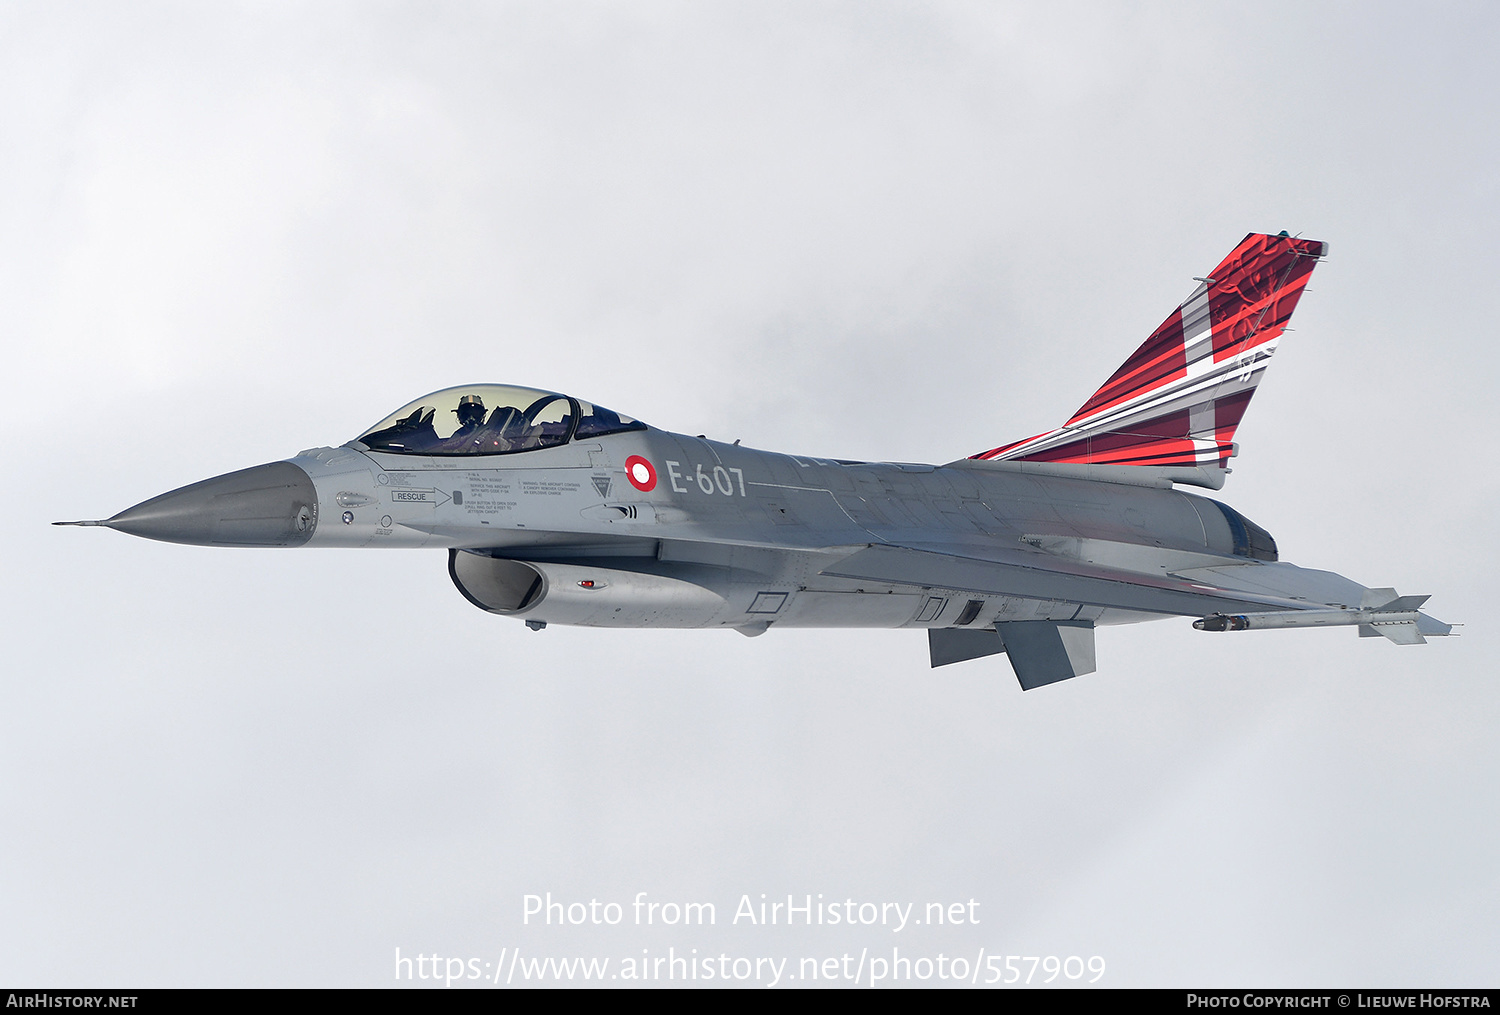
{"x": 1405, "y": 633}
{"x": 1401, "y": 604}
{"x": 1044, "y": 652}
{"x": 1432, "y": 627}
{"x": 1415, "y": 633}
{"x": 949, "y": 645}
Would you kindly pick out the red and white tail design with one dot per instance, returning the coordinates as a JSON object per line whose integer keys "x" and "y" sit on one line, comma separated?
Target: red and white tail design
{"x": 1177, "y": 400}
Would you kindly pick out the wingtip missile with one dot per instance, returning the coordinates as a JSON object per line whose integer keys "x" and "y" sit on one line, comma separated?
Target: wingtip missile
{"x": 1397, "y": 620}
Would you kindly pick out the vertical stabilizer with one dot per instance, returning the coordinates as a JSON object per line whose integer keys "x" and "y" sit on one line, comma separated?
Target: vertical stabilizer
{"x": 1178, "y": 399}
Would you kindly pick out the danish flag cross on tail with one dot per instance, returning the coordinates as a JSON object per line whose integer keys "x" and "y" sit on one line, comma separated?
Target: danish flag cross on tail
{"x": 1177, "y": 400}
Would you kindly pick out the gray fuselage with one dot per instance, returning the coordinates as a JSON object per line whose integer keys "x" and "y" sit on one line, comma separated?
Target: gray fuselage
{"x": 727, "y": 536}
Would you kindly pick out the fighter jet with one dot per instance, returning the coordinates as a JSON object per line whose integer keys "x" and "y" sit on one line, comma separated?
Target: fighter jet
{"x": 555, "y": 510}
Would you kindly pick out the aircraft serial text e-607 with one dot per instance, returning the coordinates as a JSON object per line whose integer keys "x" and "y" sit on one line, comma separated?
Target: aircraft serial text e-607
{"x": 557, "y": 511}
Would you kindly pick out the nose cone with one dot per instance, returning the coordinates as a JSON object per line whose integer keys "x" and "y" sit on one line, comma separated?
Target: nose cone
{"x": 269, "y": 505}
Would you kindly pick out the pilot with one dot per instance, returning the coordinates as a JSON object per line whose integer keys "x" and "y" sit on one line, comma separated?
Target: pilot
{"x": 470, "y": 414}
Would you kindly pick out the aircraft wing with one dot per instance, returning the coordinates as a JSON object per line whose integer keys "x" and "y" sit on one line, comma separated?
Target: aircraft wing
{"x": 1249, "y": 587}
{"x": 1257, "y": 593}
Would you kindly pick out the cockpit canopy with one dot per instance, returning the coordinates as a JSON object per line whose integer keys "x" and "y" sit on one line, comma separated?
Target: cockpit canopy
{"x": 491, "y": 419}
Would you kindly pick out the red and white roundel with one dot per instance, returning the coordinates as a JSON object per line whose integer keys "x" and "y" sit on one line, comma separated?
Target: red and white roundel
{"x": 640, "y": 473}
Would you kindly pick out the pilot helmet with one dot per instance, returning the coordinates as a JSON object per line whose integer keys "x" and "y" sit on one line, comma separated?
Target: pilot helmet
{"x": 470, "y": 409}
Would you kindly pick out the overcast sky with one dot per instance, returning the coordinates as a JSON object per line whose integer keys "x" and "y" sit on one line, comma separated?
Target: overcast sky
{"x": 229, "y": 232}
